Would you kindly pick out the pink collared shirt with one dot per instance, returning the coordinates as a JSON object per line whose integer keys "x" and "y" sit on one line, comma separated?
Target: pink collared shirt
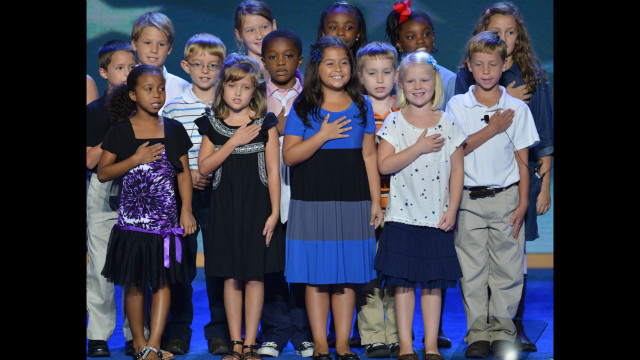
{"x": 276, "y": 97}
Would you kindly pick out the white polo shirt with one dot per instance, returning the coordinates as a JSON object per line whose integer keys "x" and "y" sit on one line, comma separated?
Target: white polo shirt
{"x": 173, "y": 85}
{"x": 493, "y": 164}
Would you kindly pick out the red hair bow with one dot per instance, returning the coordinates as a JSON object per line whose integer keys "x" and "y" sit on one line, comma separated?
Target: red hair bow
{"x": 402, "y": 8}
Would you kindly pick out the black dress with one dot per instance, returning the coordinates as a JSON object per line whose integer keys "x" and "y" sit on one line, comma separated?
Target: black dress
{"x": 240, "y": 206}
{"x": 145, "y": 243}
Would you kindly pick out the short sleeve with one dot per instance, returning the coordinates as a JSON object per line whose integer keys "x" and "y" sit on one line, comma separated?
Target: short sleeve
{"x": 388, "y": 130}
{"x": 526, "y": 134}
{"x": 204, "y": 126}
{"x": 453, "y": 110}
{"x": 270, "y": 120}
{"x": 181, "y": 139}
{"x": 114, "y": 139}
{"x": 456, "y": 136}
{"x": 294, "y": 124}
{"x": 370, "y": 127}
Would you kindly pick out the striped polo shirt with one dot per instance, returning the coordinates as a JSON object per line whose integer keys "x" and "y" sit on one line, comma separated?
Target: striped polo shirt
{"x": 186, "y": 108}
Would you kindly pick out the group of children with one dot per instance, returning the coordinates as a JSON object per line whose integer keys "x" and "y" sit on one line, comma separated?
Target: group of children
{"x": 337, "y": 191}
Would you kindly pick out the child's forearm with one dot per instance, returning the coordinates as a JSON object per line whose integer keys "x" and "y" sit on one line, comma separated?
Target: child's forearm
{"x": 93, "y": 155}
{"x": 272, "y": 159}
{"x": 545, "y": 171}
{"x": 456, "y": 180}
{"x": 397, "y": 161}
{"x": 369, "y": 154}
{"x": 478, "y": 138}
{"x": 108, "y": 169}
{"x": 211, "y": 159}
{"x": 522, "y": 157}
{"x": 295, "y": 150}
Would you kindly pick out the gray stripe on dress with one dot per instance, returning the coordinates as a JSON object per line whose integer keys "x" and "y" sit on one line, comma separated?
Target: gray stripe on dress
{"x": 329, "y": 220}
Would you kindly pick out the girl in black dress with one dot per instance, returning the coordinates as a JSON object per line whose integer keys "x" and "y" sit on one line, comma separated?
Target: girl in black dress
{"x": 240, "y": 145}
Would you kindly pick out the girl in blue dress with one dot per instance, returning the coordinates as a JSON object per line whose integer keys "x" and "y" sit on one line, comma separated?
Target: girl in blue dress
{"x": 335, "y": 192}
{"x": 144, "y": 249}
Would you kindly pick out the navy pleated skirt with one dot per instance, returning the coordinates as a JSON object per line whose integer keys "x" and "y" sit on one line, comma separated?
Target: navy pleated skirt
{"x": 411, "y": 255}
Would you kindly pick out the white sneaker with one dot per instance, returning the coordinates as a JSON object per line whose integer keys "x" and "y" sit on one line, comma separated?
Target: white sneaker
{"x": 305, "y": 349}
{"x": 269, "y": 348}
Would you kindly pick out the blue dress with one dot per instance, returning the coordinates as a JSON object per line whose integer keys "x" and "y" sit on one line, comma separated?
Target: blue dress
{"x": 329, "y": 239}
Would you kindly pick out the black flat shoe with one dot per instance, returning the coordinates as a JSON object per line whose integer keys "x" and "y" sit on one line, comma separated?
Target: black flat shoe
{"x": 177, "y": 347}
{"x": 478, "y": 350}
{"x": 322, "y": 357}
{"x": 443, "y": 342}
{"x": 128, "y": 348}
{"x": 218, "y": 346}
{"x": 502, "y": 349}
{"x": 98, "y": 348}
{"x": 347, "y": 356}
{"x": 523, "y": 343}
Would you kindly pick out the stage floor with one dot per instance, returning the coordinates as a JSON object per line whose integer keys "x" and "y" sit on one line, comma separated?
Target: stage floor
{"x": 538, "y": 322}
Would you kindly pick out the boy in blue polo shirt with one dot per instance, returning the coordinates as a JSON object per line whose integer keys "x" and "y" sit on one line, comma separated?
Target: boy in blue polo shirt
{"x": 489, "y": 235}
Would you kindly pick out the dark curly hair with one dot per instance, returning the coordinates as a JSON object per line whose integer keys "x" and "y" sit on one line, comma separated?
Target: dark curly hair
{"x": 120, "y": 105}
{"x": 310, "y": 101}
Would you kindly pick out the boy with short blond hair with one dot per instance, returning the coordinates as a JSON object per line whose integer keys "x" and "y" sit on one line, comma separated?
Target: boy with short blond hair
{"x": 152, "y": 38}
{"x": 376, "y": 65}
{"x": 489, "y": 235}
{"x": 204, "y": 54}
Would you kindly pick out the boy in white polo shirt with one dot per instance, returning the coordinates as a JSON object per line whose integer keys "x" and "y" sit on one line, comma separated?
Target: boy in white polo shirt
{"x": 489, "y": 235}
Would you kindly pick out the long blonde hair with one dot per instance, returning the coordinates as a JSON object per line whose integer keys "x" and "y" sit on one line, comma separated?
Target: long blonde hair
{"x": 236, "y": 67}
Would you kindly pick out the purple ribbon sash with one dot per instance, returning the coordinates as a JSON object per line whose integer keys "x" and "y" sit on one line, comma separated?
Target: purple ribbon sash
{"x": 166, "y": 235}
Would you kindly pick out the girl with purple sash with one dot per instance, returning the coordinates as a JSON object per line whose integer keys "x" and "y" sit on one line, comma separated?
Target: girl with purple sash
{"x": 150, "y": 154}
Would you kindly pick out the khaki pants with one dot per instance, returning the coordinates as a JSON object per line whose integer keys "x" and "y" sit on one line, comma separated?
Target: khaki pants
{"x": 373, "y": 304}
{"x": 101, "y": 302}
{"x": 490, "y": 259}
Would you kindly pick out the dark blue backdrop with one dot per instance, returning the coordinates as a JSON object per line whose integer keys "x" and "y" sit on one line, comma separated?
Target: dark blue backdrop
{"x": 453, "y": 22}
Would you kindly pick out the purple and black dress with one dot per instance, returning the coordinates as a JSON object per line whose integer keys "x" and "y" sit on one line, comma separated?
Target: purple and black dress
{"x": 145, "y": 244}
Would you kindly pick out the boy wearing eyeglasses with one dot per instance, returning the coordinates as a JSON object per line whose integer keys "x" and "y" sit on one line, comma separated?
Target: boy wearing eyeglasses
{"x": 203, "y": 57}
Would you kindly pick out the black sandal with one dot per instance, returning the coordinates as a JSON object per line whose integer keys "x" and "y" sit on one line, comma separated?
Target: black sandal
{"x": 251, "y": 354}
{"x": 232, "y": 354}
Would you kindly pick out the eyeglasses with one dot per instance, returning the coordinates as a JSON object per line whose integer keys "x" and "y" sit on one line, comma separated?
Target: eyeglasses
{"x": 200, "y": 66}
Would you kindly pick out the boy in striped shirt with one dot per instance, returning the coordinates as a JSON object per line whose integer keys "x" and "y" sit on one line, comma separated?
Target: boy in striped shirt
{"x": 203, "y": 57}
